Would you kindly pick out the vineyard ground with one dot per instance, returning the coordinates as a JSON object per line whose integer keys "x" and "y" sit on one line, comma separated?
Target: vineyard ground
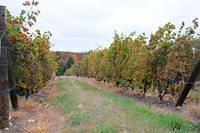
{"x": 36, "y": 115}
{"x": 190, "y": 110}
{"x": 88, "y": 108}
{"x": 74, "y": 105}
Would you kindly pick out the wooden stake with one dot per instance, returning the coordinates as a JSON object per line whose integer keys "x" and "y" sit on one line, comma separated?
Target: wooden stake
{"x": 4, "y": 103}
{"x": 189, "y": 85}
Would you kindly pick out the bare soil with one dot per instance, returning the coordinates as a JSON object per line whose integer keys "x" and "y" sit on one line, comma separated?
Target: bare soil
{"x": 36, "y": 115}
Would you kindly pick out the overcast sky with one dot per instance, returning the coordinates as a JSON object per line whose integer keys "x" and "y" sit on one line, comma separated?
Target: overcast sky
{"x": 82, "y": 25}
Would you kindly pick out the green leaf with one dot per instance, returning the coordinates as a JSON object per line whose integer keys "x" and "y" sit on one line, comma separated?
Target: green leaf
{"x": 23, "y": 12}
{"x": 14, "y": 30}
{"x": 36, "y": 3}
{"x": 29, "y": 16}
{"x": 21, "y": 17}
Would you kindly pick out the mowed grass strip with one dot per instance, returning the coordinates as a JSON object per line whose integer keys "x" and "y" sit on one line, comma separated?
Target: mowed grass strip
{"x": 140, "y": 117}
{"x": 70, "y": 107}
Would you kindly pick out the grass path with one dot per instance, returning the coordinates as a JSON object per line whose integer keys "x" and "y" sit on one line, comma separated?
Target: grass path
{"x": 88, "y": 109}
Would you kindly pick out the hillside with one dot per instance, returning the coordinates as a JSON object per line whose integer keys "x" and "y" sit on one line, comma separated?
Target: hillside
{"x": 62, "y": 55}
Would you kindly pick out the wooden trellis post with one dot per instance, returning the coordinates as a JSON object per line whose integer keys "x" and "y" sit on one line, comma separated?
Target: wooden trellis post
{"x": 4, "y": 102}
{"x": 189, "y": 85}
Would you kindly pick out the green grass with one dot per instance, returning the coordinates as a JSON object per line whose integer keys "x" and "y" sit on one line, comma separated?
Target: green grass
{"x": 105, "y": 128}
{"x": 62, "y": 85}
{"x": 67, "y": 104}
{"x": 137, "y": 114}
{"x": 173, "y": 121}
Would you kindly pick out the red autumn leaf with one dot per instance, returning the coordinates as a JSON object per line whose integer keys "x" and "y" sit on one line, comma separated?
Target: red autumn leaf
{"x": 26, "y": 40}
{"x": 27, "y": 3}
{"x": 13, "y": 40}
{"x": 30, "y": 23}
{"x": 24, "y": 29}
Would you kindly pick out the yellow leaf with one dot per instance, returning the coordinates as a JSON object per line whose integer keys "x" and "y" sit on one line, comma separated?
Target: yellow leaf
{"x": 34, "y": 18}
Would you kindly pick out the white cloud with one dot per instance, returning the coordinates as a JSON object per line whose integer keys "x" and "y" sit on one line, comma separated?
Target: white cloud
{"x": 80, "y": 25}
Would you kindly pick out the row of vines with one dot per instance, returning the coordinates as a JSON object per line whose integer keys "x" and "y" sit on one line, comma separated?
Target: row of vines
{"x": 33, "y": 62}
{"x": 162, "y": 61}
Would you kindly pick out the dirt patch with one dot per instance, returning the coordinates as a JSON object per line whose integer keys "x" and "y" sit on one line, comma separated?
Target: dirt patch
{"x": 189, "y": 111}
{"x": 36, "y": 115}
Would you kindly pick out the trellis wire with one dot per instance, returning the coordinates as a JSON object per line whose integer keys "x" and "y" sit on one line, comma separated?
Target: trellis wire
{"x": 6, "y": 90}
{"x": 4, "y": 31}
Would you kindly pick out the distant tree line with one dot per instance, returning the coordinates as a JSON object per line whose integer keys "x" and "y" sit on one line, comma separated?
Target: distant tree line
{"x": 62, "y": 67}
